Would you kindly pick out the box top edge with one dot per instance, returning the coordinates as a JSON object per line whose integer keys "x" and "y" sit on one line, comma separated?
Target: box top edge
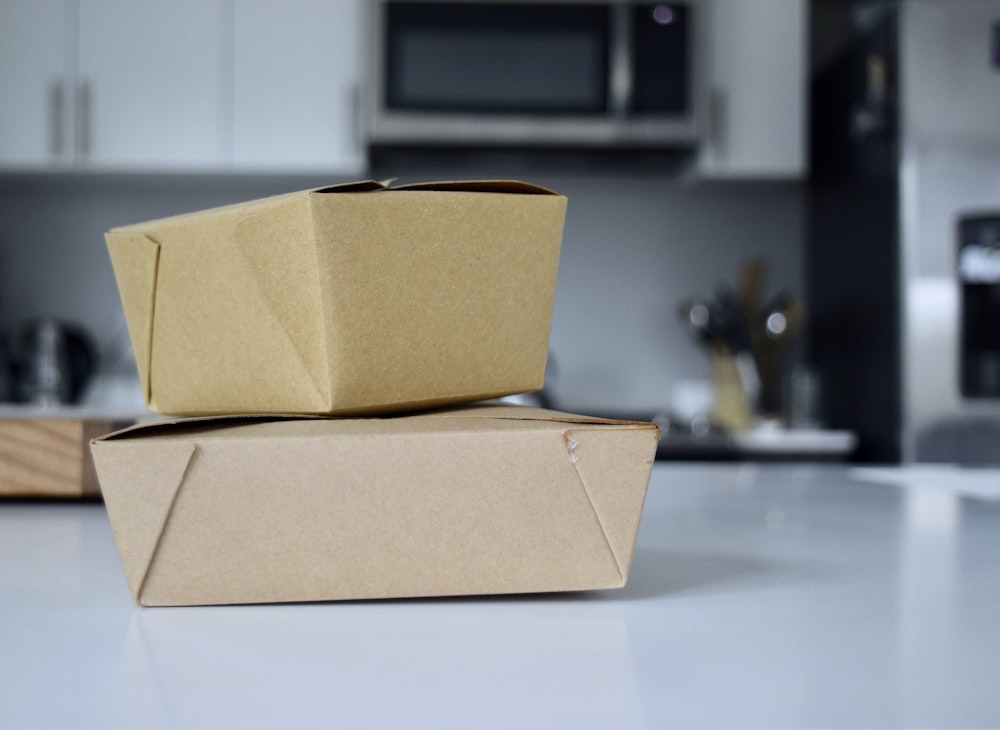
{"x": 477, "y": 412}
{"x": 510, "y": 187}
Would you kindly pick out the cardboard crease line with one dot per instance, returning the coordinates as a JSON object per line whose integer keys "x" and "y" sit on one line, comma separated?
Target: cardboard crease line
{"x": 295, "y": 346}
{"x": 574, "y": 458}
{"x": 152, "y": 321}
{"x": 163, "y": 527}
{"x": 324, "y": 324}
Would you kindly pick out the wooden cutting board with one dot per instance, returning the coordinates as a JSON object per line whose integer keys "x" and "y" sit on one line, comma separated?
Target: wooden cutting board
{"x": 49, "y": 457}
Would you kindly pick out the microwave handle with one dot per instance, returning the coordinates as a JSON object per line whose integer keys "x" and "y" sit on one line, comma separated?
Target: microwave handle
{"x": 620, "y": 73}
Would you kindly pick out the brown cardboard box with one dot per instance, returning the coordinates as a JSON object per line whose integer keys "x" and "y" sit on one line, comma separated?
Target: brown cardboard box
{"x": 479, "y": 499}
{"x": 350, "y": 299}
{"x": 49, "y": 457}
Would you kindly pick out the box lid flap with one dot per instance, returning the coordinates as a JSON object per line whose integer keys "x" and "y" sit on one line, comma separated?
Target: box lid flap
{"x": 136, "y": 259}
{"x": 480, "y": 186}
{"x": 360, "y": 186}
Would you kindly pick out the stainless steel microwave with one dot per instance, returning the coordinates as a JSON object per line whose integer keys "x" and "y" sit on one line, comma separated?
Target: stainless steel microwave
{"x": 579, "y": 73}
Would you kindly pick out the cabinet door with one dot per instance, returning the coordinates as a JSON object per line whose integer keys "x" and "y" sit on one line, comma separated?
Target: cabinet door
{"x": 153, "y": 84}
{"x": 757, "y": 70}
{"x": 297, "y": 74}
{"x": 36, "y": 48}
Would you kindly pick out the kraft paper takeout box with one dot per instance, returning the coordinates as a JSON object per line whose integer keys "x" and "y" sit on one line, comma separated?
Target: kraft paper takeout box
{"x": 350, "y": 299}
{"x": 480, "y": 499}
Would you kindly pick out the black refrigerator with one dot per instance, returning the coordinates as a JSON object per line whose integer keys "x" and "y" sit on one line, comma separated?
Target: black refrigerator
{"x": 852, "y": 250}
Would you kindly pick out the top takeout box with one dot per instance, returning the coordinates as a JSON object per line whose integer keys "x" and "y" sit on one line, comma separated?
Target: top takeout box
{"x": 351, "y": 299}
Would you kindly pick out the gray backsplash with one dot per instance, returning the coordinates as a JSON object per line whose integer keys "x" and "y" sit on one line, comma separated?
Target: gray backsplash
{"x": 634, "y": 245}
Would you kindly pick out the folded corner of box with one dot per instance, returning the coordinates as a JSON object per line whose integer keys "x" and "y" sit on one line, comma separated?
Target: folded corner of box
{"x": 613, "y": 463}
{"x": 135, "y": 259}
{"x": 140, "y": 484}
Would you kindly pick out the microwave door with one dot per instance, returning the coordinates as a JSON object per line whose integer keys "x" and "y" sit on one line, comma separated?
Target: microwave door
{"x": 495, "y": 73}
{"x": 663, "y": 95}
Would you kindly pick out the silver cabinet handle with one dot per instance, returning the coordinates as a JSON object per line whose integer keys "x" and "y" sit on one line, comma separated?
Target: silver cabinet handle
{"x": 83, "y": 119}
{"x": 57, "y": 103}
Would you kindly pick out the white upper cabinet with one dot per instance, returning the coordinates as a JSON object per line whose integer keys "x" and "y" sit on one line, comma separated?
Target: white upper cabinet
{"x": 36, "y": 93}
{"x": 755, "y": 105}
{"x": 297, "y": 71}
{"x": 151, "y": 84}
{"x": 185, "y": 85}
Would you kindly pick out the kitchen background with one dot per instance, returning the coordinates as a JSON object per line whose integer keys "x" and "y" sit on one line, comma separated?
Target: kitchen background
{"x": 851, "y": 198}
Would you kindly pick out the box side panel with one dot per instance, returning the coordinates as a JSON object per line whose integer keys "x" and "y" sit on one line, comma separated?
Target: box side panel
{"x": 437, "y": 297}
{"x": 379, "y": 516}
{"x": 236, "y": 322}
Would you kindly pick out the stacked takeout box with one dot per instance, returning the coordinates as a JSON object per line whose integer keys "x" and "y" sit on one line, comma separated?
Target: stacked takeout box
{"x": 330, "y": 354}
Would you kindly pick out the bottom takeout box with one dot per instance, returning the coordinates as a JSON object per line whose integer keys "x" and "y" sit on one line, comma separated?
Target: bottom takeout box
{"x": 480, "y": 499}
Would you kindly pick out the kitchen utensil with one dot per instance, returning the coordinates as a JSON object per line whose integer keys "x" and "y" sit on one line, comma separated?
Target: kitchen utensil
{"x": 733, "y": 324}
{"x": 776, "y": 329}
{"x": 732, "y": 408}
{"x": 781, "y": 317}
{"x": 751, "y": 281}
{"x": 697, "y": 317}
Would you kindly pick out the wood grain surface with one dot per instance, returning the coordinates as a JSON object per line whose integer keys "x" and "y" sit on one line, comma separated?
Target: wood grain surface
{"x": 49, "y": 457}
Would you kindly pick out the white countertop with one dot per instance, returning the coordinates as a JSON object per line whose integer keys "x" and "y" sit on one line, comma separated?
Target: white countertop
{"x": 760, "y": 596}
